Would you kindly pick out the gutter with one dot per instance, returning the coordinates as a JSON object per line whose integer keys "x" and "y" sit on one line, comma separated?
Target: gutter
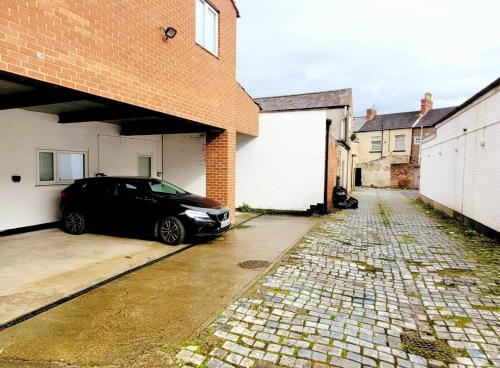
{"x": 479, "y": 94}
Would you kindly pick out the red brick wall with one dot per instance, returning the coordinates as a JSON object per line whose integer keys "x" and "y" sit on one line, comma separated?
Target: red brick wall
{"x": 114, "y": 49}
{"x": 402, "y": 176}
{"x": 333, "y": 168}
{"x": 415, "y": 148}
{"x": 221, "y": 167}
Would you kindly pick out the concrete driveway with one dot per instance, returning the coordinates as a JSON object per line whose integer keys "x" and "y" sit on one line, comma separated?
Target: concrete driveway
{"x": 41, "y": 267}
{"x": 126, "y": 322}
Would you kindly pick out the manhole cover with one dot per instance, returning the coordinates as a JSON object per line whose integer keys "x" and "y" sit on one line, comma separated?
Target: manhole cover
{"x": 254, "y": 264}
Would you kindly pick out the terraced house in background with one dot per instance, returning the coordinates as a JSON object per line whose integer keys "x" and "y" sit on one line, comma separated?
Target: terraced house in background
{"x": 389, "y": 144}
{"x": 135, "y": 88}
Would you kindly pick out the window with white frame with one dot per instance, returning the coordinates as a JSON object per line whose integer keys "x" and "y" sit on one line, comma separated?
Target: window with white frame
{"x": 376, "y": 144}
{"x": 207, "y": 26}
{"x": 144, "y": 166}
{"x": 60, "y": 167}
{"x": 417, "y": 140}
{"x": 399, "y": 143}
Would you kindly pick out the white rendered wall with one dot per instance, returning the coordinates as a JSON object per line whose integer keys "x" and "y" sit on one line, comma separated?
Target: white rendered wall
{"x": 184, "y": 161}
{"x": 118, "y": 154}
{"x": 283, "y": 168}
{"x": 23, "y": 132}
{"x": 462, "y": 171}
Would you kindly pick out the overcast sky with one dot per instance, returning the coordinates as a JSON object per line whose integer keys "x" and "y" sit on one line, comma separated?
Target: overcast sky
{"x": 390, "y": 52}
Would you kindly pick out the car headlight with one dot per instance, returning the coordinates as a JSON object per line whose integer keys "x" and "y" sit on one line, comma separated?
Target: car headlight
{"x": 196, "y": 214}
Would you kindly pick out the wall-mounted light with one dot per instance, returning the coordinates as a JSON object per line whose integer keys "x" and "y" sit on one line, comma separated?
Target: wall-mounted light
{"x": 169, "y": 32}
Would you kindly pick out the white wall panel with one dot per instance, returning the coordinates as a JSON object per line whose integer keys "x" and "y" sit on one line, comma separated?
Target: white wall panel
{"x": 23, "y": 132}
{"x": 282, "y": 168}
{"x": 184, "y": 161}
{"x": 461, "y": 170}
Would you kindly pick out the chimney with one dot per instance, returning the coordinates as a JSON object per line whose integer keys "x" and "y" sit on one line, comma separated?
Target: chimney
{"x": 370, "y": 114}
{"x": 426, "y": 103}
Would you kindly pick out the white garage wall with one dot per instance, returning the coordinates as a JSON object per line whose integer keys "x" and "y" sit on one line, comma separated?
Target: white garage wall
{"x": 283, "y": 168}
{"x": 118, "y": 155}
{"x": 184, "y": 161}
{"x": 23, "y": 132}
{"x": 462, "y": 171}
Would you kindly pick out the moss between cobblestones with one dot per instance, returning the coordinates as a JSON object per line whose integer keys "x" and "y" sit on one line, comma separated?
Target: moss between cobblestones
{"x": 490, "y": 308}
{"x": 382, "y": 211}
{"x": 456, "y": 272}
{"x": 407, "y": 239}
{"x": 368, "y": 267}
{"x": 413, "y": 263}
{"x": 460, "y": 322}
{"x": 437, "y": 349}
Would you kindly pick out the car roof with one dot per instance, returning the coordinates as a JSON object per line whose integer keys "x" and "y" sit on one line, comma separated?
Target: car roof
{"x": 120, "y": 178}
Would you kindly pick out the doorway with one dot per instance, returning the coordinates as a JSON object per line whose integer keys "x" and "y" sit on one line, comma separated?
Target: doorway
{"x": 357, "y": 180}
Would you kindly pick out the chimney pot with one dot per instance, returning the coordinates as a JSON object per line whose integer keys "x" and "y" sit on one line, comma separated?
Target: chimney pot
{"x": 370, "y": 114}
{"x": 426, "y": 103}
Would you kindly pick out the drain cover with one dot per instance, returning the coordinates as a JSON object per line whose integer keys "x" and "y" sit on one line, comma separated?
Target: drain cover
{"x": 254, "y": 264}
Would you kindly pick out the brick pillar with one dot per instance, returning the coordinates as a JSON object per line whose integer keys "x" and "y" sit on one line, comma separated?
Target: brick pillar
{"x": 221, "y": 168}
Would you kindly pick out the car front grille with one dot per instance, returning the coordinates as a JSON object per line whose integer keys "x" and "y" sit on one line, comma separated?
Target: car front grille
{"x": 222, "y": 216}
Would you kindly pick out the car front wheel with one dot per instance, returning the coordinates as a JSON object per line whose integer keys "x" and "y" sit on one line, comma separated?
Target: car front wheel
{"x": 74, "y": 223}
{"x": 171, "y": 231}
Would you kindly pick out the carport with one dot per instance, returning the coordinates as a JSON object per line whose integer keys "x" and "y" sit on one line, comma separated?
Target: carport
{"x": 42, "y": 123}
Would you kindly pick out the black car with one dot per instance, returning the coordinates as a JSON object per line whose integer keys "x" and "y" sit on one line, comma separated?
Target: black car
{"x": 146, "y": 204}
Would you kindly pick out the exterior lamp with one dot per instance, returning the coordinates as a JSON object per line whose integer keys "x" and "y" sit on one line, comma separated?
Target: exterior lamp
{"x": 169, "y": 32}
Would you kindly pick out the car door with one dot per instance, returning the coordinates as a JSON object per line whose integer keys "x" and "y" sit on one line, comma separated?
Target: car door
{"x": 99, "y": 199}
{"x": 135, "y": 203}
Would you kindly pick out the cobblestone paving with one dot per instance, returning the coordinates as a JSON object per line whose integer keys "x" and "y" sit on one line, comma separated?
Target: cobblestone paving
{"x": 382, "y": 286}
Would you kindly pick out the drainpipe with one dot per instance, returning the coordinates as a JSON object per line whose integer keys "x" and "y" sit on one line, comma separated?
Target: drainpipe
{"x": 382, "y": 143}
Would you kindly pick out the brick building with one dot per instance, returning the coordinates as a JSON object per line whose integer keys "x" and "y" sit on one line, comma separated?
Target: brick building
{"x": 387, "y": 153}
{"x": 122, "y": 89}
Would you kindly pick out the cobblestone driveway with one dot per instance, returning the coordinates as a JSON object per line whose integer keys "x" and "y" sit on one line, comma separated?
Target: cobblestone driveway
{"x": 382, "y": 286}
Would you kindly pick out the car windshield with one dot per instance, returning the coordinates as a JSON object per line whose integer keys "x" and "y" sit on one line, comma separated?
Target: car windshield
{"x": 162, "y": 187}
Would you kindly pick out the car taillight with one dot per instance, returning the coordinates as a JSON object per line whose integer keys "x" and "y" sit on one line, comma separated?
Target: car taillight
{"x": 63, "y": 194}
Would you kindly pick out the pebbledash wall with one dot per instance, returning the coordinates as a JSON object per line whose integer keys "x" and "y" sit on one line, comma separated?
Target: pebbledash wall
{"x": 22, "y": 133}
{"x": 460, "y": 170}
{"x": 290, "y": 149}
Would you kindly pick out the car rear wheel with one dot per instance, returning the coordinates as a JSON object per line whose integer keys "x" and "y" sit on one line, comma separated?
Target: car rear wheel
{"x": 74, "y": 223}
{"x": 171, "y": 231}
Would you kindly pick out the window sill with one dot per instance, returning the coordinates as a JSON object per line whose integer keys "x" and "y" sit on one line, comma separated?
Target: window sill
{"x": 375, "y": 151}
{"x": 53, "y": 184}
{"x": 208, "y": 51}
{"x": 399, "y": 151}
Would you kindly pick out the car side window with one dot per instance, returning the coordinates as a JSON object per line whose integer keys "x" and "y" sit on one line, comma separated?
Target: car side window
{"x": 130, "y": 189}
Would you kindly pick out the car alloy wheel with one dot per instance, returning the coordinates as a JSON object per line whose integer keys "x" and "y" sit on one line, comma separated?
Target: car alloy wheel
{"x": 171, "y": 231}
{"x": 74, "y": 223}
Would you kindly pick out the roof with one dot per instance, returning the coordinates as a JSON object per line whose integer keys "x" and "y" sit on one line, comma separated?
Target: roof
{"x": 306, "y": 101}
{"x": 434, "y": 115}
{"x": 357, "y": 123}
{"x": 399, "y": 120}
{"x": 481, "y": 93}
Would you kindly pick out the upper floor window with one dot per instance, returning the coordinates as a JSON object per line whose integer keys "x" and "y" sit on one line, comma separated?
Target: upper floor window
{"x": 399, "y": 143}
{"x": 207, "y": 26}
{"x": 376, "y": 144}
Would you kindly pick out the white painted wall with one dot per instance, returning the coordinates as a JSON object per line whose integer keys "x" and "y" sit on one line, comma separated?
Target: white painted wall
{"x": 23, "y": 132}
{"x": 184, "y": 161}
{"x": 283, "y": 168}
{"x": 462, "y": 171}
{"x": 118, "y": 154}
